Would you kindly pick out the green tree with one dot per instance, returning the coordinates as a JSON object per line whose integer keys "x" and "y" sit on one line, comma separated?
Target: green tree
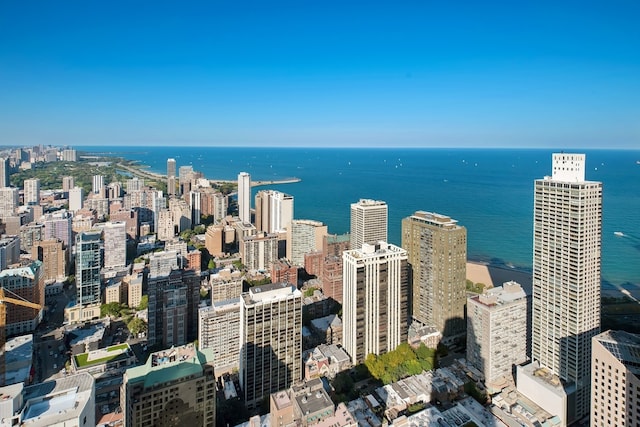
{"x": 144, "y": 302}
{"x": 114, "y": 309}
{"x": 137, "y": 325}
{"x": 212, "y": 264}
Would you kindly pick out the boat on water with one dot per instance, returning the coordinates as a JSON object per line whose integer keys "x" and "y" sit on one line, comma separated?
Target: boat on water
{"x": 618, "y": 233}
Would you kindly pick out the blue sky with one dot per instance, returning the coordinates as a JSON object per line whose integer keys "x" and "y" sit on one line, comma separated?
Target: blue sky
{"x": 307, "y": 73}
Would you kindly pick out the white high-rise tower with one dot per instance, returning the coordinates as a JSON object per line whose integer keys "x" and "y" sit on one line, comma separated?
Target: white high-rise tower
{"x": 244, "y": 197}
{"x": 566, "y": 275}
{"x": 368, "y": 222}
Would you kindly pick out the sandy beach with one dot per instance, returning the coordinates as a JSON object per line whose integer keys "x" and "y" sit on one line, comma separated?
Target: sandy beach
{"x": 495, "y": 276}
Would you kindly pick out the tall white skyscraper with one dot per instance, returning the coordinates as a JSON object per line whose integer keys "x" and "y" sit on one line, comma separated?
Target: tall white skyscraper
{"x": 76, "y": 199}
{"x": 32, "y": 191}
{"x": 567, "y": 230}
{"x": 97, "y": 184}
{"x": 375, "y": 299}
{"x": 244, "y": 197}
{"x": 4, "y": 172}
{"x": 274, "y": 211}
{"x": 368, "y": 222}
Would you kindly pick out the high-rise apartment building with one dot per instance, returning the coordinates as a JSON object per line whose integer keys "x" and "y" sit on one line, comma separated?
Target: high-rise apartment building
{"x": 274, "y": 211}
{"x": 304, "y": 236}
{"x": 368, "y": 222}
{"x": 244, "y": 197}
{"x": 115, "y": 244}
{"x": 437, "y": 248}
{"x": 258, "y": 251}
{"x": 219, "y": 330}
{"x": 53, "y": 256}
{"x": 497, "y": 332}
{"x": 97, "y": 184}
{"x": 270, "y": 340}
{"x": 76, "y": 199}
{"x": 175, "y": 387}
{"x": 615, "y": 380}
{"x": 69, "y": 155}
{"x": 68, "y": 183}
{"x": 9, "y": 200}
{"x": 88, "y": 263}
{"x": 171, "y": 177}
{"x": 174, "y": 295}
{"x": 27, "y": 282}
{"x": 375, "y": 300}
{"x": 32, "y": 191}
{"x": 5, "y": 172}
{"x": 567, "y": 228}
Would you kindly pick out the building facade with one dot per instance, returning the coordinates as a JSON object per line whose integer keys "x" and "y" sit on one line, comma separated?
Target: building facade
{"x": 270, "y": 340}
{"x": 27, "y": 282}
{"x": 274, "y": 211}
{"x": 567, "y": 228}
{"x": 175, "y": 387}
{"x": 115, "y": 244}
{"x": 368, "y": 222}
{"x": 32, "y": 191}
{"x": 88, "y": 263}
{"x": 375, "y": 300}
{"x": 615, "y": 375}
{"x": 497, "y": 332}
{"x": 437, "y": 248}
{"x": 244, "y": 197}
{"x": 304, "y": 236}
{"x": 219, "y": 330}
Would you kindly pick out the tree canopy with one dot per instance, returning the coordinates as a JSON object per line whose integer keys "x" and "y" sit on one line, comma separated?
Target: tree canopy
{"x": 400, "y": 363}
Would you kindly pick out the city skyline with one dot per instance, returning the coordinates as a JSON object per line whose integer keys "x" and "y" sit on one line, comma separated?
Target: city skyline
{"x": 286, "y": 74}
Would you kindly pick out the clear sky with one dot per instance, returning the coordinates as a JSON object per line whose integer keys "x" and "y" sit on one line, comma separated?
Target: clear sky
{"x": 313, "y": 73}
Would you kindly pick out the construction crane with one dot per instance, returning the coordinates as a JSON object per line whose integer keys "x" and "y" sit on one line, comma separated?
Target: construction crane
{"x": 18, "y": 300}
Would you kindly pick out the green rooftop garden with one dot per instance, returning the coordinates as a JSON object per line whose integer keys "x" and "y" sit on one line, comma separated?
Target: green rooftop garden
{"x": 119, "y": 351}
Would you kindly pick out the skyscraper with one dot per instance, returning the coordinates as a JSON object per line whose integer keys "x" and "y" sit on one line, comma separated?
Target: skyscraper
{"x": 304, "y": 236}
{"x": 97, "y": 184}
{"x": 115, "y": 244}
{"x": 375, "y": 300}
{"x": 244, "y": 197}
{"x": 566, "y": 274}
{"x": 270, "y": 340}
{"x": 32, "y": 191}
{"x": 616, "y": 379}
{"x": 368, "y": 222}
{"x": 4, "y": 172}
{"x": 88, "y": 260}
{"x": 437, "y": 248}
{"x": 274, "y": 211}
{"x": 171, "y": 176}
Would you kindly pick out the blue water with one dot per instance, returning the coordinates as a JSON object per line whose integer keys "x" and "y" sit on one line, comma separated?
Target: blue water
{"x": 490, "y": 192}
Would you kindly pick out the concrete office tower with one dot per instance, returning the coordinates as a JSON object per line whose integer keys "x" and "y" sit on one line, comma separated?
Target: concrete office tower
{"x": 368, "y": 222}
{"x": 274, "y": 211}
{"x": 76, "y": 199}
{"x": 67, "y": 183}
{"x": 115, "y": 244}
{"x": 97, "y": 184}
{"x": 9, "y": 200}
{"x": 88, "y": 263}
{"x": 28, "y": 283}
{"x": 615, "y": 375}
{"x": 32, "y": 191}
{"x": 270, "y": 351}
{"x": 437, "y": 248}
{"x": 53, "y": 257}
{"x": 497, "y": 332}
{"x": 567, "y": 228}
{"x": 304, "y": 236}
{"x": 219, "y": 330}
{"x": 375, "y": 300}
{"x": 65, "y": 401}
{"x": 175, "y": 387}
{"x": 171, "y": 177}
{"x": 244, "y": 197}
{"x": 4, "y": 172}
